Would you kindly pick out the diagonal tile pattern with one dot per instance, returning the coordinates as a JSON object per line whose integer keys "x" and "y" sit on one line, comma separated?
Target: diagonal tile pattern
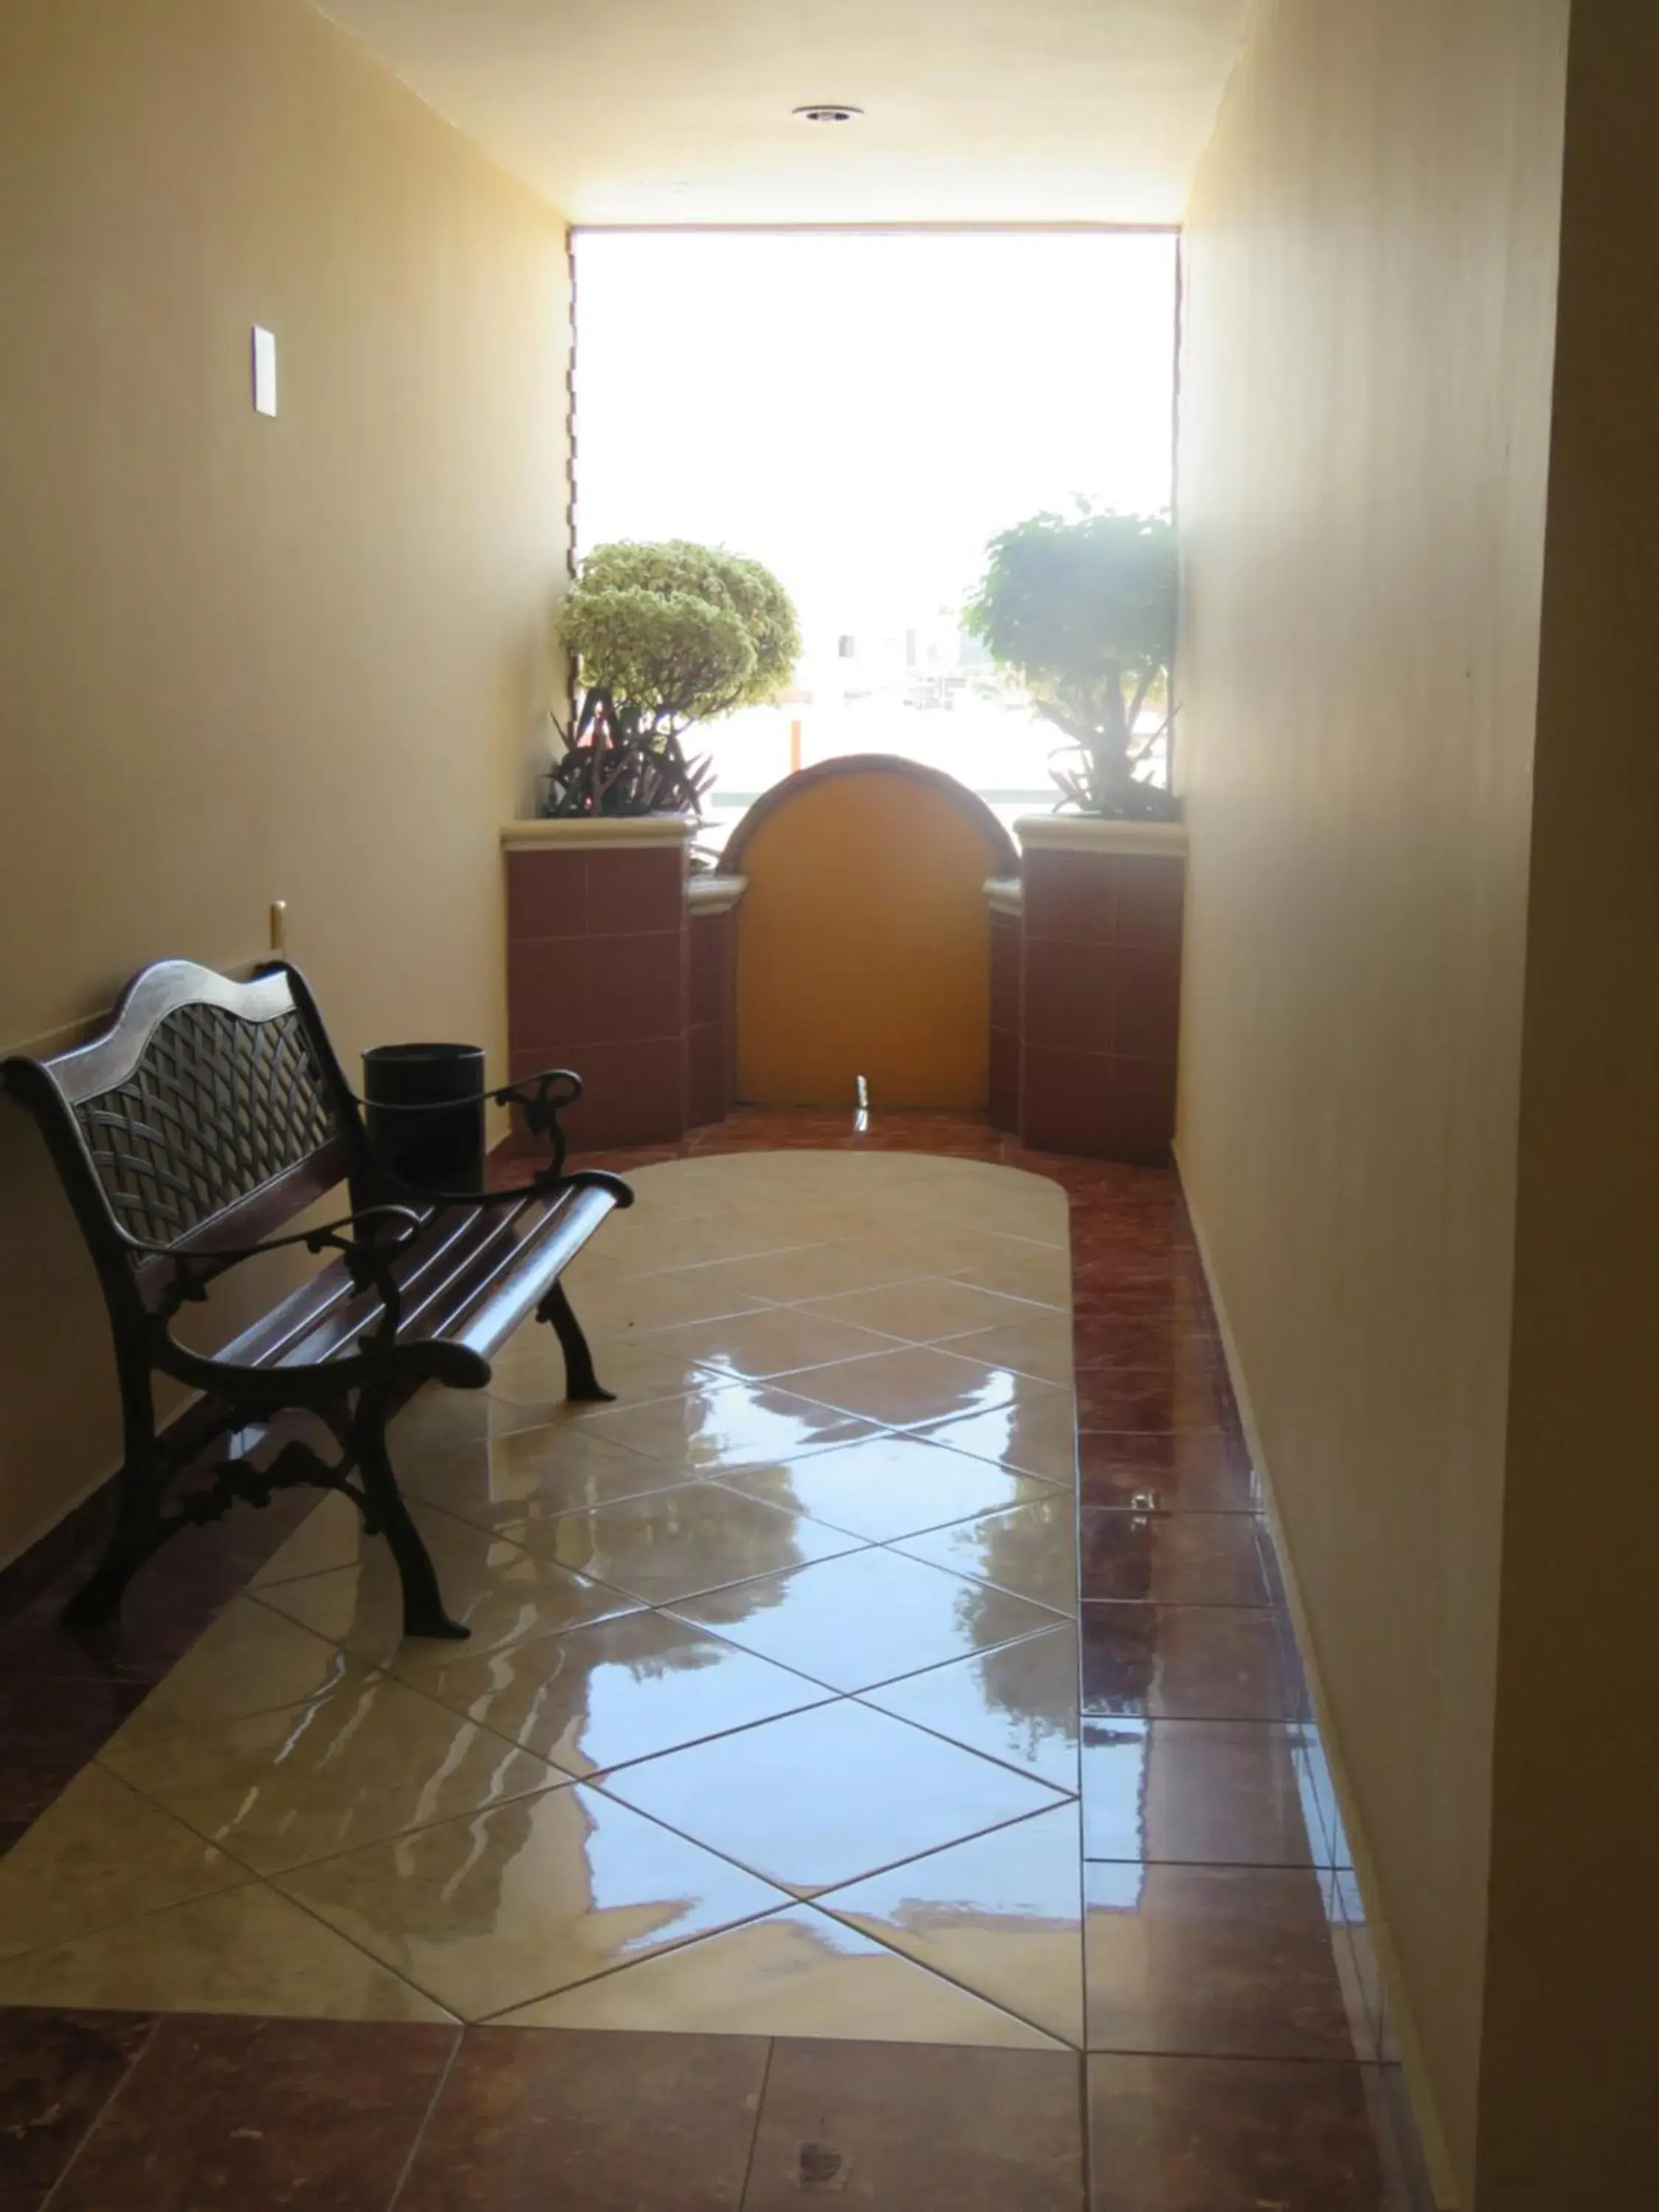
{"x": 497, "y": 1588}
{"x": 1017, "y": 1703}
{"x": 620, "y": 1690}
{"x": 653, "y": 1742}
{"x": 799, "y": 1971}
{"x": 530, "y": 1480}
{"x": 1000, "y": 1913}
{"x": 769, "y": 1724}
{"x": 770, "y": 1727}
{"x": 866, "y": 1617}
{"x": 890, "y": 1485}
{"x": 486, "y": 1914}
{"x": 673, "y": 1543}
{"x": 920, "y": 1383}
{"x": 816, "y": 1798}
{"x": 1029, "y": 1549}
{"x": 723, "y": 1426}
{"x": 101, "y": 1854}
{"x": 242, "y": 1950}
{"x": 251, "y": 1660}
{"x": 368, "y": 1759}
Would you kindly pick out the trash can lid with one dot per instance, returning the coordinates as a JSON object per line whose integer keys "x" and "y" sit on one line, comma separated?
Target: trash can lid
{"x": 424, "y": 1052}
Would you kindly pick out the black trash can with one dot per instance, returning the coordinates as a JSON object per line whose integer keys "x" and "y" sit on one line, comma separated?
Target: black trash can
{"x": 440, "y": 1146}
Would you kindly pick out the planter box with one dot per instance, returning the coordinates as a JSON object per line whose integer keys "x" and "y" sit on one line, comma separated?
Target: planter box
{"x": 1005, "y": 896}
{"x": 712, "y": 1032}
{"x": 597, "y": 969}
{"x": 1098, "y": 1007}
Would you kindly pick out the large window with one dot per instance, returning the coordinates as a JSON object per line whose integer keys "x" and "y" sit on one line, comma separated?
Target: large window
{"x": 862, "y": 411}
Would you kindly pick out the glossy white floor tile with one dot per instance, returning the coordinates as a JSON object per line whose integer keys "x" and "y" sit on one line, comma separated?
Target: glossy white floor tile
{"x": 498, "y": 1590}
{"x": 1029, "y": 1436}
{"x": 1017, "y": 1702}
{"x": 366, "y": 1759}
{"x": 821, "y": 1796}
{"x": 534, "y": 1477}
{"x": 889, "y": 1485}
{"x": 250, "y": 1661}
{"x": 619, "y": 1690}
{"x": 244, "y": 1950}
{"x": 1030, "y": 1548}
{"x": 792, "y": 1620}
{"x": 798, "y": 1973}
{"x": 99, "y": 1854}
{"x": 1001, "y": 1913}
{"x": 487, "y": 1913}
{"x": 674, "y": 1543}
{"x": 725, "y": 1427}
{"x": 866, "y": 1617}
{"x": 916, "y": 1382}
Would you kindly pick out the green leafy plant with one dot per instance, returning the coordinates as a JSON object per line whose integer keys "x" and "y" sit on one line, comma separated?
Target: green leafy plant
{"x": 1083, "y": 611}
{"x": 662, "y": 637}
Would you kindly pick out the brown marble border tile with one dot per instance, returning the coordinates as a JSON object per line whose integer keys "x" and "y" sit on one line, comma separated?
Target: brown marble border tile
{"x": 920, "y": 2128}
{"x": 58, "y": 2070}
{"x": 219, "y": 2115}
{"x": 1232, "y": 2135}
{"x": 1212, "y": 1962}
{"x": 529, "y": 2119}
{"x": 1171, "y": 1558}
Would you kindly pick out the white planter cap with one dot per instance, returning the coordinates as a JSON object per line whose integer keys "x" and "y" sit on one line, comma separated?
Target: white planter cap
{"x": 714, "y": 894}
{"x": 1096, "y": 833}
{"x": 595, "y": 833}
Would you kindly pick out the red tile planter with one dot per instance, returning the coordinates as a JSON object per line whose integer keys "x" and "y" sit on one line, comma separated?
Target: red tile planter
{"x": 711, "y": 1036}
{"x": 1086, "y": 987}
{"x": 618, "y": 964}
{"x": 622, "y": 965}
{"x": 1004, "y": 898}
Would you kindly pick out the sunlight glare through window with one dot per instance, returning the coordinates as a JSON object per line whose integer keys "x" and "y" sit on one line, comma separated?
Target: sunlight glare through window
{"x": 863, "y": 411}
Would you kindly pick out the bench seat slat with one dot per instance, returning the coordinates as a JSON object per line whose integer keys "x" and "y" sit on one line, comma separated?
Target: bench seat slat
{"x": 470, "y": 1263}
{"x": 446, "y": 1249}
{"x": 536, "y": 1262}
{"x": 325, "y": 1297}
{"x": 469, "y": 1278}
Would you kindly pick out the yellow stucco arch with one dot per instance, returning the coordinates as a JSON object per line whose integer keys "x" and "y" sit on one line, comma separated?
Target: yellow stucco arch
{"x": 863, "y": 939}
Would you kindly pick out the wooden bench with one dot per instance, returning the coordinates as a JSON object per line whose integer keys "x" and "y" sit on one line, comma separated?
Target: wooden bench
{"x": 209, "y": 1115}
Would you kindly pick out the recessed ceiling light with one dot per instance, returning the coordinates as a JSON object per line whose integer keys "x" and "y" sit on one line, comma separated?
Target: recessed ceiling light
{"x": 829, "y": 110}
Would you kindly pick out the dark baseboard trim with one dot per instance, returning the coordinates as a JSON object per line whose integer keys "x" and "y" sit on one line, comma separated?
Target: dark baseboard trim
{"x": 80, "y": 1536}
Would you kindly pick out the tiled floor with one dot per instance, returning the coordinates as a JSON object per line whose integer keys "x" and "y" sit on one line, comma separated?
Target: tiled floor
{"x": 611, "y": 1805}
{"x": 760, "y": 1822}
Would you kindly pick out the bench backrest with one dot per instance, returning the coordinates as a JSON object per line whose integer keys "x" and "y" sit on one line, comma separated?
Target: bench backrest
{"x": 208, "y": 1113}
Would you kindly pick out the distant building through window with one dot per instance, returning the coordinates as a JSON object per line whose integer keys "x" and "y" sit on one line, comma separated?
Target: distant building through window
{"x": 863, "y": 411}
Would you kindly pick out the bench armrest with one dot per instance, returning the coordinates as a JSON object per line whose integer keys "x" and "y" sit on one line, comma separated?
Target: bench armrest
{"x": 542, "y": 1099}
{"x": 545, "y": 1182}
{"x": 368, "y": 1241}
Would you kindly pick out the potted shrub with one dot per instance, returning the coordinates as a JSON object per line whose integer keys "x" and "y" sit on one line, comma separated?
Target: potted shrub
{"x": 1084, "y": 613}
{"x": 662, "y": 637}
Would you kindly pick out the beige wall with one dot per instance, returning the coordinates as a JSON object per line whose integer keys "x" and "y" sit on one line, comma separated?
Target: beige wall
{"x": 1573, "y": 2050}
{"x": 1371, "y": 268}
{"x": 248, "y": 659}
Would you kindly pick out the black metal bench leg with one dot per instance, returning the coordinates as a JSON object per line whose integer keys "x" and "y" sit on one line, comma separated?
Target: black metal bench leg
{"x": 132, "y": 1542}
{"x": 580, "y": 1381}
{"x": 423, "y": 1604}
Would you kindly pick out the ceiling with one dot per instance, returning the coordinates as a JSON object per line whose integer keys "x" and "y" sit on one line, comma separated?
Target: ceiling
{"x": 678, "y": 111}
